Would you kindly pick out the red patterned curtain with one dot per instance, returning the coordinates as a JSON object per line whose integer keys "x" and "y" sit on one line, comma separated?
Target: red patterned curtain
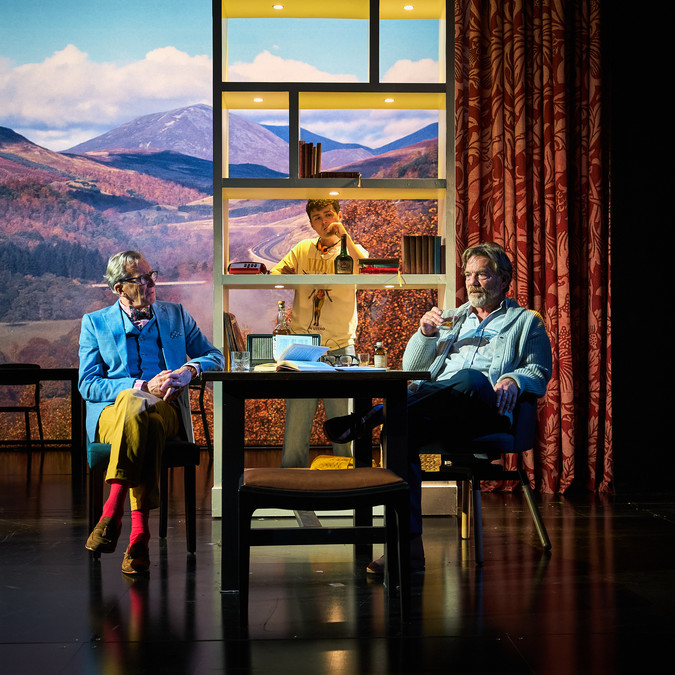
{"x": 531, "y": 167}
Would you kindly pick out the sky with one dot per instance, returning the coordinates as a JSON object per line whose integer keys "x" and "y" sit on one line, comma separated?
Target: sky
{"x": 72, "y": 70}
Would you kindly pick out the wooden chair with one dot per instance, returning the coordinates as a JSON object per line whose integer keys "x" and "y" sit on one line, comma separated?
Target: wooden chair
{"x": 177, "y": 453}
{"x": 472, "y": 462}
{"x": 26, "y": 409}
{"x": 307, "y": 489}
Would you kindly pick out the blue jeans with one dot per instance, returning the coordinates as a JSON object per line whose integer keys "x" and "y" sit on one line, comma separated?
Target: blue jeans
{"x": 299, "y": 418}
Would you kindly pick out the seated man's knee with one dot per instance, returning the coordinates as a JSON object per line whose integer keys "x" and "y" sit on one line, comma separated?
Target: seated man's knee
{"x": 469, "y": 380}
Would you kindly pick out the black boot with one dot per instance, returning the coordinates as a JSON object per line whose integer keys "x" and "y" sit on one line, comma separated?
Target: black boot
{"x": 350, "y": 427}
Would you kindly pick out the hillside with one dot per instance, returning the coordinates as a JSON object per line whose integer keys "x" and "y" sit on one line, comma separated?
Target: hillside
{"x": 188, "y": 131}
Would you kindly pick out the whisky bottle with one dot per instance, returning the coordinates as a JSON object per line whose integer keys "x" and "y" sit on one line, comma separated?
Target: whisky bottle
{"x": 281, "y": 328}
{"x": 379, "y": 356}
{"x": 344, "y": 263}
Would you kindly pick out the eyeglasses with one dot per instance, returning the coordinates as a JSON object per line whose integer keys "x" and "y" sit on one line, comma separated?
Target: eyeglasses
{"x": 141, "y": 280}
{"x": 344, "y": 360}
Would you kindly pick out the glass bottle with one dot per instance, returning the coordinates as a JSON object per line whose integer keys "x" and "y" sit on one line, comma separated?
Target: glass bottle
{"x": 281, "y": 328}
{"x": 379, "y": 356}
{"x": 344, "y": 263}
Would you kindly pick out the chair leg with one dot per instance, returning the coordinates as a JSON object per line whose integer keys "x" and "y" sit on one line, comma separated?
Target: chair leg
{"x": 96, "y": 478}
{"x": 465, "y": 506}
{"x": 29, "y": 445}
{"x": 42, "y": 439}
{"x": 205, "y": 423}
{"x": 401, "y": 509}
{"x": 163, "y": 501}
{"x": 245, "y": 514}
{"x": 189, "y": 480}
{"x": 477, "y": 520}
{"x": 534, "y": 511}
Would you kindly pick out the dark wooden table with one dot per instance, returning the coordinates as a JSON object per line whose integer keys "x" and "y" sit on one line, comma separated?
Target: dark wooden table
{"x": 363, "y": 387}
{"x": 24, "y": 376}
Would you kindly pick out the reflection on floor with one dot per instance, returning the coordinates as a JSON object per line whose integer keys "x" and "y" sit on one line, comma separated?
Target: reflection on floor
{"x": 601, "y": 602}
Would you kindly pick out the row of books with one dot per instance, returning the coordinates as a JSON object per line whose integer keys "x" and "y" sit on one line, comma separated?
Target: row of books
{"x": 310, "y": 159}
{"x": 422, "y": 254}
{"x": 310, "y": 164}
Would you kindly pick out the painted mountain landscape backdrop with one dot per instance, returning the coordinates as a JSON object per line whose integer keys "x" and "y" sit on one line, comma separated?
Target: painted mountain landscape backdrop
{"x": 148, "y": 185}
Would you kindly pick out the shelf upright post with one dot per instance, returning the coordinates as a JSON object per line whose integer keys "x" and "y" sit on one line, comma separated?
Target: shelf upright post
{"x": 219, "y": 289}
{"x": 374, "y": 42}
{"x": 293, "y": 133}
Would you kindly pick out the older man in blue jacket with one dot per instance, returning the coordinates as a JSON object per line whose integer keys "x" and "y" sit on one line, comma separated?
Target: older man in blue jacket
{"x": 136, "y": 359}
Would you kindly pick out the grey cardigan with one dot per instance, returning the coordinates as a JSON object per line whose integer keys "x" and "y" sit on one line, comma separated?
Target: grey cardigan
{"x": 523, "y": 350}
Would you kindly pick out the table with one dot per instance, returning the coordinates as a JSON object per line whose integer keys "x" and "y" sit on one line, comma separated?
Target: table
{"x": 390, "y": 385}
{"x": 33, "y": 376}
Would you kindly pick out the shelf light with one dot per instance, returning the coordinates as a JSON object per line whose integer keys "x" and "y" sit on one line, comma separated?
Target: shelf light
{"x": 279, "y": 286}
{"x": 389, "y": 100}
{"x": 277, "y": 7}
{"x": 258, "y": 99}
{"x": 333, "y": 193}
{"x": 408, "y": 8}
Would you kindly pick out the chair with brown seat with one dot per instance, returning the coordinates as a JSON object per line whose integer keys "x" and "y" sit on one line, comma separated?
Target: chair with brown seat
{"x": 339, "y": 489}
{"x": 472, "y": 461}
{"x": 26, "y": 408}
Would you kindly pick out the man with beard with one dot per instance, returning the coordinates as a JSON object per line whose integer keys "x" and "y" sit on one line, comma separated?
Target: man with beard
{"x": 495, "y": 351}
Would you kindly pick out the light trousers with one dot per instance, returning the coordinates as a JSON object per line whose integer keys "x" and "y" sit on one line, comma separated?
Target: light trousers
{"x": 299, "y": 419}
{"x": 136, "y": 426}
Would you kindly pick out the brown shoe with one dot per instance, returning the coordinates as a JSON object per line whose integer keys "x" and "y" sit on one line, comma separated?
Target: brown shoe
{"x": 416, "y": 559}
{"x": 136, "y": 560}
{"x": 104, "y": 536}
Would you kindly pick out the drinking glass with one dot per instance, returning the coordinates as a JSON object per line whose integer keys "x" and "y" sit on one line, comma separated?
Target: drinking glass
{"x": 449, "y": 317}
{"x": 364, "y": 358}
{"x": 240, "y": 362}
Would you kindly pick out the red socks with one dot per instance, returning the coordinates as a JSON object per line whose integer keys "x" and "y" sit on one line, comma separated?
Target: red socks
{"x": 114, "y": 506}
{"x": 140, "y": 528}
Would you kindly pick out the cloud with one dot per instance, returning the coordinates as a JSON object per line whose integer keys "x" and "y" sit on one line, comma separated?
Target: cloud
{"x": 69, "y": 96}
{"x": 424, "y": 70}
{"x": 267, "y": 67}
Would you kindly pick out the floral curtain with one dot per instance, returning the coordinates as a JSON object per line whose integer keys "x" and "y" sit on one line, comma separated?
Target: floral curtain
{"x": 531, "y": 171}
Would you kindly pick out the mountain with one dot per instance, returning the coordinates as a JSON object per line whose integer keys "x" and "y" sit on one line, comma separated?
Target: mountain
{"x": 89, "y": 181}
{"x": 327, "y": 144}
{"x": 425, "y": 134}
{"x": 188, "y": 131}
{"x": 191, "y": 172}
{"x": 251, "y": 143}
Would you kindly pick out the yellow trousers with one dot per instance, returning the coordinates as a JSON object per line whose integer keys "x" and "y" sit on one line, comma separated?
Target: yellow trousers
{"x": 136, "y": 426}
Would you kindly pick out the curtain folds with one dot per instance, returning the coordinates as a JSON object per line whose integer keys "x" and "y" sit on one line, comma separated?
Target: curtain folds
{"x": 531, "y": 169}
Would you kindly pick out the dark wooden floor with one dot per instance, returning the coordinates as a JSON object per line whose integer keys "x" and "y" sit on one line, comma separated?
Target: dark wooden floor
{"x": 601, "y": 602}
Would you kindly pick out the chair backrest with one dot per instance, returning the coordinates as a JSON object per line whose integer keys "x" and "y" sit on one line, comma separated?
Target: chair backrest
{"x": 525, "y": 423}
{"x": 260, "y": 347}
{"x": 35, "y": 383}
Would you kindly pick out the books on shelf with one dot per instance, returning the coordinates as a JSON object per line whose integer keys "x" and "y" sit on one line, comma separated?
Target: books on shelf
{"x": 378, "y": 265}
{"x": 422, "y": 254}
{"x": 354, "y": 175}
{"x": 310, "y": 159}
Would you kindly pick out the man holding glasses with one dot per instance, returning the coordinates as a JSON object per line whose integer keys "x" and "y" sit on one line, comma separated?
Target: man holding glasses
{"x": 137, "y": 358}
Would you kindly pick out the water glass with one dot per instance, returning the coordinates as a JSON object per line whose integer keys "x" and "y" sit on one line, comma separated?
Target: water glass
{"x": 364, "y": 358}
{"x": 240, "y": 362}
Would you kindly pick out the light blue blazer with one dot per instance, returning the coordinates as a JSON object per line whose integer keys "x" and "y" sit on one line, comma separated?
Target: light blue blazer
{"x": 104, "y": 370}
